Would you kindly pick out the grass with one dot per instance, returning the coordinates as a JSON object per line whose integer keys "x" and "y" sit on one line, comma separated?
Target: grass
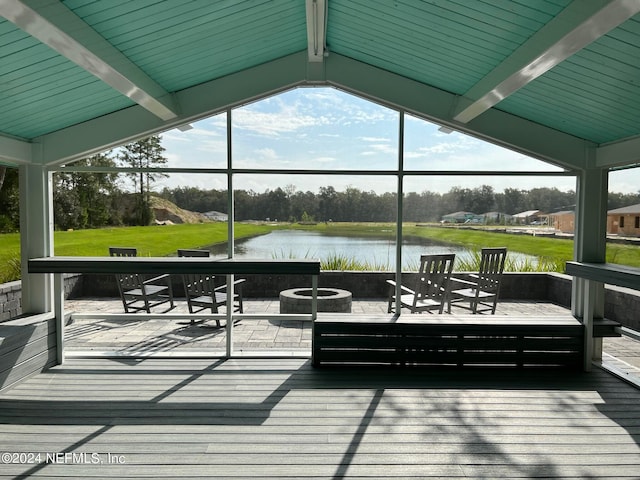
{"x": 552, "y": 253}
{"x": 9, "y": 257}
{"x": 151, "y": 241}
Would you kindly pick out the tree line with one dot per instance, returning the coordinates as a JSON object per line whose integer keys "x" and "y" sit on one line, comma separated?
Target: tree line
{"x": 93, "y": 199}
{"x": 353, "y": 204}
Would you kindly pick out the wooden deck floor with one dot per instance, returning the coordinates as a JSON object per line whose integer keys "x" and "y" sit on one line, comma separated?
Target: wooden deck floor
{"x": 271, "y": 418}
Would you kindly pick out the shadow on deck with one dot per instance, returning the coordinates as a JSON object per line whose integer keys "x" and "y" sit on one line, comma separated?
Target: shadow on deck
{"x": 271, "y": 418}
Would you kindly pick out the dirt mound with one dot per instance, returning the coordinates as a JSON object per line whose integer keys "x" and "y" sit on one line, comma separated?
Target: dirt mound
{"x": 166, "y": 213}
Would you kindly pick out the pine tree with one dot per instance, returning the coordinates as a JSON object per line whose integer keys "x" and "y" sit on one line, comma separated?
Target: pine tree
{"x": 144, "y": 154}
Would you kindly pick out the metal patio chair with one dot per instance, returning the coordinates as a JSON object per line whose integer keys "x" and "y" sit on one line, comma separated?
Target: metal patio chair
{"x": 140, "y": 294}
{"x": 431, "y": 290}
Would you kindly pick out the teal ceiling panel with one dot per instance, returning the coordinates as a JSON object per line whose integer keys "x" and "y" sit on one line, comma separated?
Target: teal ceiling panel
{"x": 41, "y": 91}
{"x": 452, "y": 45}
{"x": 594, "y": 94}
{"x": 181, "y": 44}
{"x": 447, "y": 44}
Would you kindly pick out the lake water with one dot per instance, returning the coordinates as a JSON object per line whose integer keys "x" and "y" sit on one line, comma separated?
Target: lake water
{"x": 380, "y": 253}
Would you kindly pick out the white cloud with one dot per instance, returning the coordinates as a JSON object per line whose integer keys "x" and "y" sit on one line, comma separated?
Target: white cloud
{"x": 283, "y": 117}
{"x": 384, "y": 148}
{"x": 324, "y": 160}
{"x": 267, "y": 153}
{"x": 325, "y": 128}
{"x": 375, "y": 139}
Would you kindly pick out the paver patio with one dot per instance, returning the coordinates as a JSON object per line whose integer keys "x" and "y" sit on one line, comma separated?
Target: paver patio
{"x": 265, "y": 336}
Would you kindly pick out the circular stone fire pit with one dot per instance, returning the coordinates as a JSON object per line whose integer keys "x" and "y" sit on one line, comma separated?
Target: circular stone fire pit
{"x": 298, "y": 300}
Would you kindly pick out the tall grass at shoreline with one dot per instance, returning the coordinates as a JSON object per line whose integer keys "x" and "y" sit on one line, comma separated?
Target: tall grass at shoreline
{"x": 341, "y": 262}
{"x": 541, "y": 264}
{"x": 552, "y": 253}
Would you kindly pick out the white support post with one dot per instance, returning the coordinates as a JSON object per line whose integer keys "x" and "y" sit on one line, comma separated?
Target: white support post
{"x": 587, "y": 297}
{"x": 314, "y": 300}
{"x": 58, "y": 287}
{"x": 230, "y": 236}
{"x": 399, "y": 214}
{"x": 36, "y": 236}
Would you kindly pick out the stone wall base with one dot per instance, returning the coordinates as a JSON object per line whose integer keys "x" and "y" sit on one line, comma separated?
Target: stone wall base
{"x": 621, "y": 304}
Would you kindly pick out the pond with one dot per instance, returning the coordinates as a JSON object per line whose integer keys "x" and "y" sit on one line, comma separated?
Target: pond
{"x": 376, "y": 253}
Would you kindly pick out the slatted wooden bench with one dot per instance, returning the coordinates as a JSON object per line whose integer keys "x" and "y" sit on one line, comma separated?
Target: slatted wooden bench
{"x": 415, "y": 340}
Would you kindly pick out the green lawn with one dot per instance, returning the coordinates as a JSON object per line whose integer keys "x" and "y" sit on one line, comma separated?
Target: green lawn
{"x": 553, "y": 250}
{"x": 165, "y": 240}
{"x": 151, "y": 241}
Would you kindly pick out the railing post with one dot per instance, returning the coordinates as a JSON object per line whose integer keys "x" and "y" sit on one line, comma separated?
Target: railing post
{"x": 229, "y": 326}
{"x": 58, "y": 305}
{"x": 587, "y": 320}
{"x": 399, "y": 215}
{"x": 314, "y": 314}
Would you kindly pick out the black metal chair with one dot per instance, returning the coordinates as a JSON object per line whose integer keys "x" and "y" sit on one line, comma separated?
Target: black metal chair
{"x": 431, "y": 288}
{"x": 140, "y": 294}
{"x": 201, "y": 290}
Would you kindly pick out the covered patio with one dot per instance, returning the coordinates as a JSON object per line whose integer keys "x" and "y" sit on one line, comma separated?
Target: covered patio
{"x": 552, "y": 79}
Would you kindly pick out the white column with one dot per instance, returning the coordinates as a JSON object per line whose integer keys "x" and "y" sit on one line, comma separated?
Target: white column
{"x": 587, "y": 297}
{"x": 230, "y": 235}
{"x": 399, "y": 214}
{"x": 36, "y": 236}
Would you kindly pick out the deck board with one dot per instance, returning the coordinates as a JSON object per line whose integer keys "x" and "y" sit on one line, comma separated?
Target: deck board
{"x": 269, "y": 418}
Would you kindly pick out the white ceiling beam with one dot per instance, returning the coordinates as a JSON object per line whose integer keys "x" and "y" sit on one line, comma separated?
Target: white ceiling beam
{"x": 60, "y": 29}
{"x": 578, "y": 25}
{"x": 316, "y": 29}
{"x": 618, "y": 154}
{"x": 432, "y": 104}
{"x": 14, "y": 151}
{"x": 129, "y": 124}
{"x": 386, "y": 88}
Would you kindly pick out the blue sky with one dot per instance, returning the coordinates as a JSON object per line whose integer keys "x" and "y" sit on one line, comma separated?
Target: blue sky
{"x": 324, "y": 128}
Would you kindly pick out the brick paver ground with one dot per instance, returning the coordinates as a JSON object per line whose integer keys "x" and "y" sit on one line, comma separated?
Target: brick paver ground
{"x": 267, "y": 336}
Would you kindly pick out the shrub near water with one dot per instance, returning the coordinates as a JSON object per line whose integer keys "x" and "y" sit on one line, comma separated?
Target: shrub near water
{"x": 10, "y": 270}
{"x": 340, "y": 262}
{"x": 541, "y": 264}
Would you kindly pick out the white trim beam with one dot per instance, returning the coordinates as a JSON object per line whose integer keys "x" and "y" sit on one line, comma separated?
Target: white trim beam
{"x": 316, "y": 29}
{"x": 356, "y": 77}
{"x": 59, "y": 28}
{"x": 14, "y": 151}
{"x": 618, "y": 154}
{"x": 117, "y": 128}
{"x": 432, "y": 104}
{"x": 578, "y": 25}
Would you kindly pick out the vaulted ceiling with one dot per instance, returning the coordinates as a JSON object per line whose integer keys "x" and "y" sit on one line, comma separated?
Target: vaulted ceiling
{"x": 555, "y": 79}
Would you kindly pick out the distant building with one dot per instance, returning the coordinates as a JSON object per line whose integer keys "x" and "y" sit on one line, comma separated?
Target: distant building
{"x": 216, "y": 216}
{"x": 529, "y": 217}
{"x": 460, "y": 217}
{"x": 497, "y": 218}
{"x": 564, "y": 221}
{"x": 624, "y": 221}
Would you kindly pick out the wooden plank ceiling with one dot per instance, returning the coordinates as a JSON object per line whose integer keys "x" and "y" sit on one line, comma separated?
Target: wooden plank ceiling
{"x": 548, "y": 68}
